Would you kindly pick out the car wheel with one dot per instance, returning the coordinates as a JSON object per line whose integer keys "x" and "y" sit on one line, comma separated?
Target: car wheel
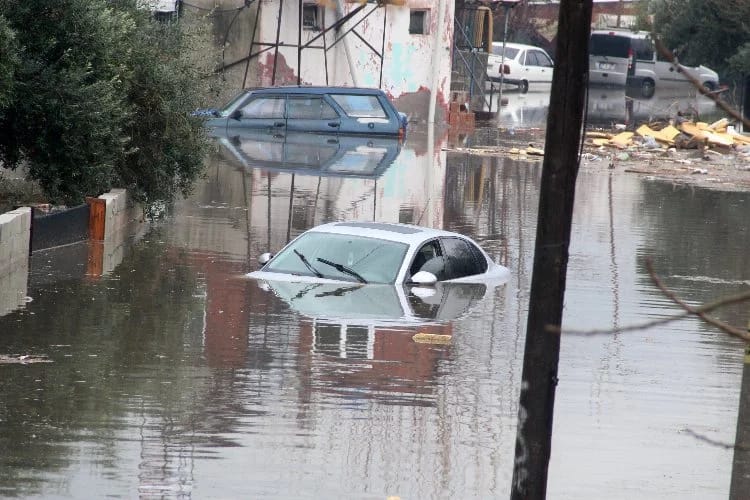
{"x": 709, "y": 86}
{"x": 524, "y": 86}
{"x": 648, "y": 87}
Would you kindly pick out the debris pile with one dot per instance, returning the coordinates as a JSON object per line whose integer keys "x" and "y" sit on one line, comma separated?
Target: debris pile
{"x": 685, "y": 135}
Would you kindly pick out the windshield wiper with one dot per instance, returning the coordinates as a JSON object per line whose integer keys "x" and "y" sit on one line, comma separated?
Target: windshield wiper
{"x": 307, "y": 264}
{"x": 343, "y": 269}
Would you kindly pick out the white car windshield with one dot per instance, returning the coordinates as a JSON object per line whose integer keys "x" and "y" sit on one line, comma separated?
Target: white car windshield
{"x": 341, "y": 257}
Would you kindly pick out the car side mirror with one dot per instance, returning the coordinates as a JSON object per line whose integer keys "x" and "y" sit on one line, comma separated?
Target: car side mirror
{"x": 264, "y": 258}
{"x": 424, "y": 278}
{"x": 236, "y": 114}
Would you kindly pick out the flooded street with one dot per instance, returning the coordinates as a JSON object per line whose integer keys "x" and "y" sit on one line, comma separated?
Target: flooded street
{"x": 173, "y": 375}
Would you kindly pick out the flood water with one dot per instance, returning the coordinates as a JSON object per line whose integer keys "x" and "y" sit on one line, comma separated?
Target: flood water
{"x": 171, "y": 375}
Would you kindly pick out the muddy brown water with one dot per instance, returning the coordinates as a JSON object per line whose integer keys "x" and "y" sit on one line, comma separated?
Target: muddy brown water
{"x": 174, "y": 376}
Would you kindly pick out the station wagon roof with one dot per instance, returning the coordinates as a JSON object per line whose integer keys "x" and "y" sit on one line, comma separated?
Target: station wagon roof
{"x": 310, "y": 89}
{"x": 404, "y": 233}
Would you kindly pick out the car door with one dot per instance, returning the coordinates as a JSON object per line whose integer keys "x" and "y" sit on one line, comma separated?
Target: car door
{"x": 538, "y": 66}
{"x": 261, "y": 112}
{"x": 311, "y": 113}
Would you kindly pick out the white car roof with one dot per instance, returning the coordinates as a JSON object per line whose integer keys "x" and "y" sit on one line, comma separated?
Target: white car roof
{"x": 404, "y": 233}
{"x": 519, "y": 46}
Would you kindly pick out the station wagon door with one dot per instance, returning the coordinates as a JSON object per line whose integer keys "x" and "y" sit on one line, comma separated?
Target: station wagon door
{"x": 263, "y": 113}
{"x": 311, "y": 113}
{"x": 366, "y": 114}
{"x": 538, "y": 67}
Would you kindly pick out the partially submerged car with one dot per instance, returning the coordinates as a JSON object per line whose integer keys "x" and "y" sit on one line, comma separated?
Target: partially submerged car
{"x": 277, "y": 110}
{"x": 382, "y": 253}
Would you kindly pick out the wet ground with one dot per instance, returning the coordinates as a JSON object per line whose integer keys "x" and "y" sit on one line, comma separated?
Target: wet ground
{"x": 167, "y": 373}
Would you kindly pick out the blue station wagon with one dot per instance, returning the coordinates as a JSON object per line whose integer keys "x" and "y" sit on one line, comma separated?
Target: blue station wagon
{"x": 278, "y": 110}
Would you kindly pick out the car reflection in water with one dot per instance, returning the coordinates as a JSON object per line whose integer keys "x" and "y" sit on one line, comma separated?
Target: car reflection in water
{"x": 313, "y": 154}
{"x": 359, "y": 341}
{"x": 618, "y": 105}
{"x": 609, "y": 105}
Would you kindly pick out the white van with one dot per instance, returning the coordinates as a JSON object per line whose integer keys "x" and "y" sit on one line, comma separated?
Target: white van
{"x": 620, "y": 57}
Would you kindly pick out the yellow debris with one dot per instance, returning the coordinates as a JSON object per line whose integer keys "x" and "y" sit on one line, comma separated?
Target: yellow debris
{"x": 623, "y": 139}
{"x": 598, "y": 135}
{"x": 701, "y": 133}
{"x": 744, "y": 139}
{"x": 719, "y": 124}
{"x": 666, "y": 135}
{"x": 431, "y": 338}
{"x": 600, "y": 142}
{"x": 534, "y": 151}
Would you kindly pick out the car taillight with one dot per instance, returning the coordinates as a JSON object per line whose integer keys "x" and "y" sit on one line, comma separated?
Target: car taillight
{"x": 630, "y": 58}
{"x": 506, "y": 69}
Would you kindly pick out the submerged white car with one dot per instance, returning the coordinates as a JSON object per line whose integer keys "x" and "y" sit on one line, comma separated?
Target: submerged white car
{"x": 382, "y": 253}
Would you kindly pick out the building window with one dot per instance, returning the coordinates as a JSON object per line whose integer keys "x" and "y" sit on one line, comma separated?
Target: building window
{"x": 311, "y": 17}
{"x": 418, "y": 22}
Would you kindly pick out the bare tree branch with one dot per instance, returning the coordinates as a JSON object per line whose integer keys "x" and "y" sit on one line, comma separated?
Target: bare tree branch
{"x": 688, "y": 311}
{"x": 744, "y": 335}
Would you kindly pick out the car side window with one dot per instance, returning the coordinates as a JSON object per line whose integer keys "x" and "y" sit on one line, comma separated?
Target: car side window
{"x": 264, "y": 107}
{"x": 428, "y": 251}
{"x": 542, "y": 59}
{"x": 360, "y": 106}
{"x": 309, "y": 108}
{"x": 461, "y": 258}
{"x": 643, "y": 49}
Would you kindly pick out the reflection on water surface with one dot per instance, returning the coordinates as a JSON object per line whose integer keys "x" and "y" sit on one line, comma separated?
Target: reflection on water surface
{"x": 173, "y": 375}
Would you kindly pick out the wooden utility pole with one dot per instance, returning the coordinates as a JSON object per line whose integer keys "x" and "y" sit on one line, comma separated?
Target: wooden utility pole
{"x": 740, "y": 484}
{"x": 559, "y": 172}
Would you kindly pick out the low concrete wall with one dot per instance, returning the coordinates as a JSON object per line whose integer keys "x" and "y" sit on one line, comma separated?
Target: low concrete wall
{"x": 118, "y": 216}
{"x": 120, "y": 221}
{"x": 15, "y": 238}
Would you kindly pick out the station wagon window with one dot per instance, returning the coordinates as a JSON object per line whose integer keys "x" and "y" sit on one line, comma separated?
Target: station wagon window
{"x": 510, "y": 53}
{"x": 264, "y": 107}
{"x": 418, "y": 22}
{"x": 537, "y": 58}
{"x": 360, "y": 106}
{"x": 309, "y": 108}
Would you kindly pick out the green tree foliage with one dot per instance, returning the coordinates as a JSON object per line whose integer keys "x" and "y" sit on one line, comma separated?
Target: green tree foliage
{"x": 101, "y": 98}
{"x": 711, "y": 32}
{"x": 9, "y": 62}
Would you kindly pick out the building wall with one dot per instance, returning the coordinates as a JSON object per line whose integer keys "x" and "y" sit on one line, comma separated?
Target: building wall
{"x": 410, "y": 66}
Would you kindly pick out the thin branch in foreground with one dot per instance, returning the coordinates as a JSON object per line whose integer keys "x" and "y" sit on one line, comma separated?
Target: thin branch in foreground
{"x": 687, "y": 311}
{"x": 742, "y": 334}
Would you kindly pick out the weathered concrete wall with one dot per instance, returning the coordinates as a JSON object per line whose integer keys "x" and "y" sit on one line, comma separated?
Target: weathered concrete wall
{"x": 410, "y": 65}
{"x": 15, "y": 238}
{"x": 122, "y": 220}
